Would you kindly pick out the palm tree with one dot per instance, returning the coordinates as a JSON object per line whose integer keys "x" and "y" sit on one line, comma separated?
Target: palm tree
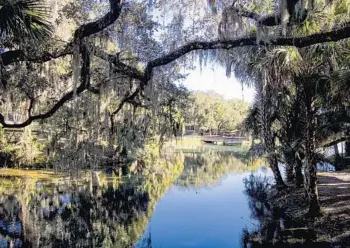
{"x": 289, "y": 134}
{"x": 261, "y": 121}
{"x": 22, "y": 21}
{"x": 272, "y": 70}
{"x": 311, "y": 94}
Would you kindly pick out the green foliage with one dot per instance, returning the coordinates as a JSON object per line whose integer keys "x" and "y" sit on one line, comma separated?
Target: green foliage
{"x": 210, "y": 111}
{"x": 22, "y": 20}
{"x": 6, "y": 153}
{"x": 23, "y": 151}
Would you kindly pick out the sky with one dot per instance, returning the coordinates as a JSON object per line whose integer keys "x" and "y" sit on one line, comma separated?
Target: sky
{"x": 214, "y": 79}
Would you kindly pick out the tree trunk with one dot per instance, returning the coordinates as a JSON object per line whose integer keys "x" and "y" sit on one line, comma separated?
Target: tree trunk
{"x": 298, "y": 173}
{"x": 337, "y": 160}
{"x": 311, "y": 188}
{"x": 289, "y": 172}
{"x": 310, "y": 157}
{"x": 276, "y": 172}
{"x": 347, "y": 148}
{"x": 336, "y": 150}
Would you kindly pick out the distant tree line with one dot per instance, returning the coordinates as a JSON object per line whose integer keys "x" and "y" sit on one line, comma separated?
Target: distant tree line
{"x": 209, "y": 112}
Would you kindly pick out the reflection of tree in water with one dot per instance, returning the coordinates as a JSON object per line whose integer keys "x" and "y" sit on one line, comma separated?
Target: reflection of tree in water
{"x": 206, "y": 169}
{"x": 274, "y": 228}
{"x": 78, "y": 213}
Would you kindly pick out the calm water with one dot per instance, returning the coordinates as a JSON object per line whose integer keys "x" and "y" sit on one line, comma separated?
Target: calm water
{"x": 211, "y": 216}
{"x": 203, "y": 204}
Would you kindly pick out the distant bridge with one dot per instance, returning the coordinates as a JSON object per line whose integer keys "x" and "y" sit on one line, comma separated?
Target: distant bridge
{"x": 223, "y": 140}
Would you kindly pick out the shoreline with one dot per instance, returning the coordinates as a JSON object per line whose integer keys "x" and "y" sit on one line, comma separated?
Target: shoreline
{"x": 329, "y": 230}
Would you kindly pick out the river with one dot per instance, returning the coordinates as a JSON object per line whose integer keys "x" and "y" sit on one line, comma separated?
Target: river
{"x": 208, "y": 216}
{"x": 203, "y": 203}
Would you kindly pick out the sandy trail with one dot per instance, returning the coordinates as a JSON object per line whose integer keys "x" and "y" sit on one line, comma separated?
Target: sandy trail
{"x": 334, "y": 193}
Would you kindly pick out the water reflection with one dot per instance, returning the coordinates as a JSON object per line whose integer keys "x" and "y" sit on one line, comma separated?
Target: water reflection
{"x": 274, "y": 228}
{"x": 91, "y": 210}
{"x": 207, "y": 169}
{"x": 199, "y": 205}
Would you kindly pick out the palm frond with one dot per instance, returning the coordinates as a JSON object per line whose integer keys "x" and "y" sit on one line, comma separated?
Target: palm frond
{"x": 24, "y": 20}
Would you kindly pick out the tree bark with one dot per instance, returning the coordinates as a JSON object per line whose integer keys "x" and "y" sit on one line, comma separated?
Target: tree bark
{"x": 338, "y": 161}
{"x": 310, "y": 150}
{"x": 298, "y": 172}
{"x": 273, "y": 162}
{"x": 290, "y": 172}
{"x": 336, "y": 151}
{"x": 347, "y": 148}
{"x": 311, "y": 187}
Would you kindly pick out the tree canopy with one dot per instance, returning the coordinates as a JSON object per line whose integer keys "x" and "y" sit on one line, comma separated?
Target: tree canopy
{"x": 104, "y": 74}
{"x": 144, "y": 46}
{"x": 210, "y": 111}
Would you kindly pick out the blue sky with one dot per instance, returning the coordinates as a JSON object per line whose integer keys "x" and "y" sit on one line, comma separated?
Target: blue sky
{"x": 214, "y": 78}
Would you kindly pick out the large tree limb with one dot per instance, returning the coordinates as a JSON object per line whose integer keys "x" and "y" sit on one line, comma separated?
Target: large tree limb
{"x": 303, "y": 41}
{"x": 336, "y": 141}
{"x": 102, "y": 23}
{"x": 300, "y": 42}
{"x": 13, "y": 56}
{"x": 84, "y": 84}
{"x": 119, "y": 66}
{"x": 81, "y": 32}
{"x": 144, "y": 77}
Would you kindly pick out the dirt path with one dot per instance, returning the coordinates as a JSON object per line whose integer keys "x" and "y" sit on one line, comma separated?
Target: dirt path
{"x": 334, "y": 193}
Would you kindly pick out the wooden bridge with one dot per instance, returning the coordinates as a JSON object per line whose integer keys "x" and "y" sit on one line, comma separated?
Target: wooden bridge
{"x": 222, "y": 140}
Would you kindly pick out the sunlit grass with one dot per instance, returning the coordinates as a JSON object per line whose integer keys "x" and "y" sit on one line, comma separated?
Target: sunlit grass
{"x": 193, "y": 144}
{"x": 32, "y": 174}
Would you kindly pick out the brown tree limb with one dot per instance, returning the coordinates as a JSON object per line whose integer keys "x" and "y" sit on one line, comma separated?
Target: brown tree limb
{"x": 81, "y": 32}
{"x": 144, "y": 77}
{"x": 84, "y": 84}
{"x": 31, "y": 105}
{"x": 94, "y": 27}
{"x": 336, "y": 141}
{"x": 13, "y": 56}
{"x": 300, "y": 42}
{"x": 119, "y": 66}
{"x": 303, "y": 41}
{"x": 127, "y": 98}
